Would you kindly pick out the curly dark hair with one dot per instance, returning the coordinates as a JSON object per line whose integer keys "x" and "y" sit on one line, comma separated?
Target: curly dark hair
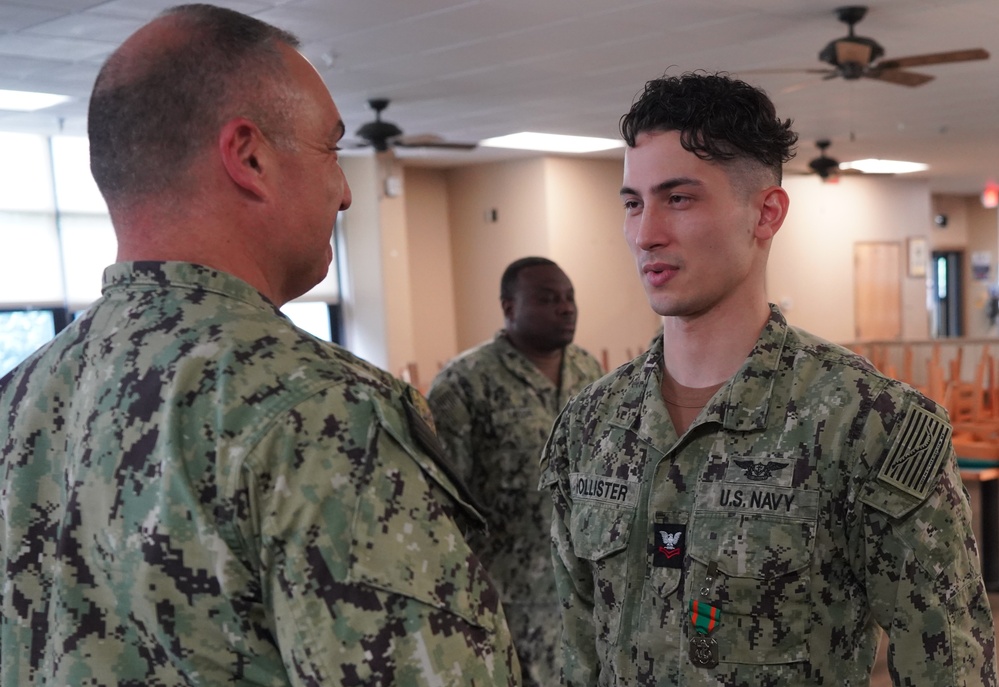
{"x": 718, "y": 117}
{"x": 153, "y": 110}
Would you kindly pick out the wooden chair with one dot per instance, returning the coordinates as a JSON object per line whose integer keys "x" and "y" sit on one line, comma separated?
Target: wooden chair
{"x": 411, "y": 375}
{"x": 968, "y": 402}
{"x": 936, "y": 380}
{"x": 907, "y": 356}
{"x": 954, "y": 366}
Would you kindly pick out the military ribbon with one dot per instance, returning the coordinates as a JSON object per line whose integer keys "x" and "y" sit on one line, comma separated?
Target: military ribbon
{"x": 704, "y": 616}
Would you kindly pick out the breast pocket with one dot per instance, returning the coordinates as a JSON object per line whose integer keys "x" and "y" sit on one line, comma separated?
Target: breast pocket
{"x": 762, "y": 586}
{"x": 600, "y": 535}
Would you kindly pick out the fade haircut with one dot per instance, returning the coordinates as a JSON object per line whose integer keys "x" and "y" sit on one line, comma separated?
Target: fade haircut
{"x": 719, "y": 119}
{"x": 153, "y": 110}
{"x": 508, "y": 283}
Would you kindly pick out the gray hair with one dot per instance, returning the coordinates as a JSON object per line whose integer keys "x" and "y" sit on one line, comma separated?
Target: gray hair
{"x": 153, "y": 110}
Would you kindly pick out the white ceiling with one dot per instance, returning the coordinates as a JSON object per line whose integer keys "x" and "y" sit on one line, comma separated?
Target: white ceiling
{"x": 472, "y": 69}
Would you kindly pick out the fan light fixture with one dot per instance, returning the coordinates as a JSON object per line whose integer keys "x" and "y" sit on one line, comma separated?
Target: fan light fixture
{"x": 552, "y": 143}
{"x": 874, "y": 166}
{"x": 851, "y": 54}
{"x": 28, "y": 101}
{"x": 382, "y": 135}
{"x": 858, "y": 57}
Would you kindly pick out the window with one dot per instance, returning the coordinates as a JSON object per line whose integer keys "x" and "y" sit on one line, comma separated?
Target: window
{"x": 312, "y": 316}
{"x": 24, "y": 331}
{"x": 56, "y": 238}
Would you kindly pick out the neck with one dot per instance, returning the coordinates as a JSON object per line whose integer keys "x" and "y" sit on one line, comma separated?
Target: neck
{"x": 548, "y": 362}
{"x": 708, "y": 349}
{"x": 150, "y": 233}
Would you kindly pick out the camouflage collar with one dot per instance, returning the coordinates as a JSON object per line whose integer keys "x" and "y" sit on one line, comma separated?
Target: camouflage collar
{"x": 742, "y": 404}
{"x": 145, "y": 274}
{"x": 518, "y": 364}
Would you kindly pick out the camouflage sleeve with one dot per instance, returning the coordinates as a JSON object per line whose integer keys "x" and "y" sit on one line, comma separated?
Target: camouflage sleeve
{"x": 573, "y": 580}
{"x": 452, "y": 410}
{"x": 919, "y": 556}
{"x": 367, "y": 576}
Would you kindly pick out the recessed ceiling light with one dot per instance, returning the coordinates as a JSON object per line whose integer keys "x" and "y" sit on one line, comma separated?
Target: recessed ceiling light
{"x": 27, "y": 101}
{"x": 553, "y": 143}
{"x": 872, "y": 166}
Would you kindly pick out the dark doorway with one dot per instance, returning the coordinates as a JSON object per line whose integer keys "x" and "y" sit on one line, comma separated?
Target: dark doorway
{"x": 947, "y": 293}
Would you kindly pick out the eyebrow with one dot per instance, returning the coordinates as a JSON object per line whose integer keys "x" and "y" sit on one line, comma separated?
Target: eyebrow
{"x": 663, "y": 186}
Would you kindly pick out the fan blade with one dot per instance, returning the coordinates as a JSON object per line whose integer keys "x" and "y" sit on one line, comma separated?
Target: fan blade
{"x": 430, "y": 141}
{"x": 897, "y": 76}
{"x": 797, "y": 86}
{"x": 935, "y": 58}
{"x": 786, "y": 70}
{"x": 442, "y": 144}
{"x": 453, "y": 145}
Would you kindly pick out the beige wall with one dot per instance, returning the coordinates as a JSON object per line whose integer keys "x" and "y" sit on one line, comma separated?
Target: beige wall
{"x": 810, "y": 271}
{"x": 397, "y": 281}
{"x": 585, "y": 218}
{"x": 564, "y": 209}
{"x": 955, "y": 235}
{"x": 432, "y": 287}
{"x": 425, "y": 267}
{"x": 982, "y": 236}
{"x": 970, "y": 229}
{"x": 481, "y": 247}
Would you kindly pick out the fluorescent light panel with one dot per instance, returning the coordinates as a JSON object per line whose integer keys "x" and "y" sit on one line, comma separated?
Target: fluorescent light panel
{"x": 552, "y": 143}
{"x": 27, "y": 101}
{"x": 873, "y": 166}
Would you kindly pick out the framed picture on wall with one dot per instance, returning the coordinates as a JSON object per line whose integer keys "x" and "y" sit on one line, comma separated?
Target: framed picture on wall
{"x": 917, "y": 256}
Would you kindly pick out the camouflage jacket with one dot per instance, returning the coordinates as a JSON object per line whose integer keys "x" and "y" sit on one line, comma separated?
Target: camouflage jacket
{"x": 812, "y": 500}
{"x": 196, "y": 492}
{"x": 494, "y": 410}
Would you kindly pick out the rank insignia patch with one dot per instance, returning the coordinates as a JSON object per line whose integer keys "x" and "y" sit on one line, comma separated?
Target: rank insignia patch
{"x": 917, "y": 452}
{"x": 668, "y": 546}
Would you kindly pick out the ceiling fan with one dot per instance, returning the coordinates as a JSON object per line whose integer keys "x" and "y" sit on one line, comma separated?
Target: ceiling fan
{"x": 382, "y": 135}
{"x": 854, "y": 57}
{"x": 826, "y": 167}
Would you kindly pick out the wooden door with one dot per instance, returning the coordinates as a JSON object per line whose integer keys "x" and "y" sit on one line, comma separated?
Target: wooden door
{"x": 877, "y": 288}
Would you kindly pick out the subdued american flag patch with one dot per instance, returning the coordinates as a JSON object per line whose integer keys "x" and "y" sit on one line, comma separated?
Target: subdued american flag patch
{"x": 916, "y": 454}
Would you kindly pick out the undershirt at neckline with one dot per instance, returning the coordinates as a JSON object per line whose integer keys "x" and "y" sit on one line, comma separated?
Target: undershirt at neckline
{"x": 684, "y": 403}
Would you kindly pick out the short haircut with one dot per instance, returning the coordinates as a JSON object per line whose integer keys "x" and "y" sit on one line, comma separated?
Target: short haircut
{"x": 719, "y": 118}
{"x": 153, "y": 110}
{"x": 508, "y": 283}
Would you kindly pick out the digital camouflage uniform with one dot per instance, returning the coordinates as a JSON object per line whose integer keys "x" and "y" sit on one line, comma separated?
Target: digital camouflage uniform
{"x": 811, "y": 500}
{"x": 195, "y": 492}
{"x": 494, "y": 410}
